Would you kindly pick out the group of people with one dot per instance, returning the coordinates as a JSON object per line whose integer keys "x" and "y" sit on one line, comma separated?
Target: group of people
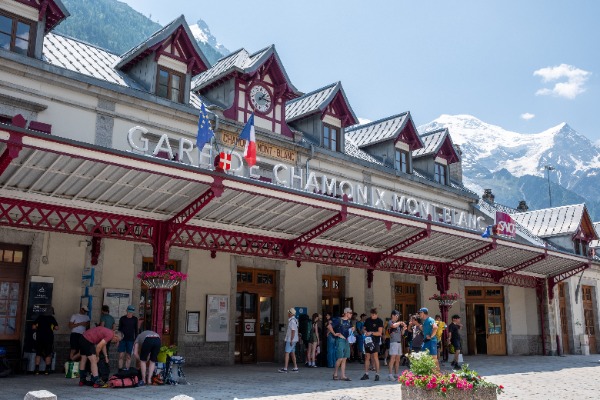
{"x": 365, "y": 339}
{"x": 92, "y": 344}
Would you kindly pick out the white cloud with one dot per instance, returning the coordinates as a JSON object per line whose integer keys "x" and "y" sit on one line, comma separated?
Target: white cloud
{"x": 527, "y": 116}
{"x": 572, "y": 81}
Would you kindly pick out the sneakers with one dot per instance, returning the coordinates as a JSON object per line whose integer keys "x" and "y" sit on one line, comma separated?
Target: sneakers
{"x": 100, "y": 384}
{"x": 376, "y": 378}
{"x": 157, "y": 380}
{"x": 294, "y": 369}
{"x": 282, "y": 370}
{"x": 141, "y": 383}
{"x": 365, "y": 377}
{"x": 390, "y": 377}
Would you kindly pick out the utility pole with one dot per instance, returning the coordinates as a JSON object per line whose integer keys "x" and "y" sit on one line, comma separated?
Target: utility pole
{"x": 549, "y": 168}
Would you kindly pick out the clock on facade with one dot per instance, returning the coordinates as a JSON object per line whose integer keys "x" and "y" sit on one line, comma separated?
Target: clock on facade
{"x": 260, "y": 98}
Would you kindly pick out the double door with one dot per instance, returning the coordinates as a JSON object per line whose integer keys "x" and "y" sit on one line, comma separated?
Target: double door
{"x": 588, "y": 316}
{"x": 485, "y": 329}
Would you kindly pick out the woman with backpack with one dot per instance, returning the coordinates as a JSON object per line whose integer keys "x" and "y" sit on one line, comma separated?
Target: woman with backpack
{"x": 313, "y": 341}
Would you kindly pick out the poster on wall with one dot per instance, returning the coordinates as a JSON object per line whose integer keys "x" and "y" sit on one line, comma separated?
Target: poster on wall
{"x": 39, "y": 299}
{"x": 117, "y": 300}
{"x": 217, "y": 318}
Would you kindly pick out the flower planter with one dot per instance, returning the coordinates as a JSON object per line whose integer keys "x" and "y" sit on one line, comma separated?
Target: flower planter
{"x": 411, "y": 392}
{"x": 158, "y": 283}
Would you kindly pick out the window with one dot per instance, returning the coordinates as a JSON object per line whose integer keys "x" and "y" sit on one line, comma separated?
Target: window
{"x": 401, "y": 161}
{"x": 440, "y": 173}
{"x": 169, "y": 85}
{"x": 581, "y": 247}
{"x": 15, "y": 34}
{"x": 331, "y": 138}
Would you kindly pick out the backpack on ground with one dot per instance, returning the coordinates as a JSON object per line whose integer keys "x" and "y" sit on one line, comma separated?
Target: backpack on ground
{"x": 103, "y": 369}
{"x": 117, "y": 382}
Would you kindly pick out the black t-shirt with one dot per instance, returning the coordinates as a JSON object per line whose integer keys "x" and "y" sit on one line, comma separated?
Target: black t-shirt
{"x": 373, "y": 325}
{"x": 45, "y": 327}
{"x": 454, "y": 331}
{"x": 129, "y": 327}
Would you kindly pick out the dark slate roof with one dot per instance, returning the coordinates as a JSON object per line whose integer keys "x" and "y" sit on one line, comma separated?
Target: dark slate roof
{"x": 240, "y": 61}
{"x": 316, "y": 101}
{"x": 378, "y": 131}
{"x": 84, "y": 58}
{"x": 552, "y": 221}
{"x": 158, "y": 37}
{"x": 432, "y": 141}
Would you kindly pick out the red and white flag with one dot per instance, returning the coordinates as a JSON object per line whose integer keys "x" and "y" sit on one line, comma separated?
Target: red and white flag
{"x": 249, "y": 136}
{"x": 224, "y": 161}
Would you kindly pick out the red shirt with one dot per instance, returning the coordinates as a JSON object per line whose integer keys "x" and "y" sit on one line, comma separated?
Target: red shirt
{"x": 95, "y": 335}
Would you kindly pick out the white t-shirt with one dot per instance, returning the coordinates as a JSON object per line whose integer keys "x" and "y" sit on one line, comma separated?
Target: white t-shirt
{"x": 78, "y": 318}
{"x": 292, "y": 326}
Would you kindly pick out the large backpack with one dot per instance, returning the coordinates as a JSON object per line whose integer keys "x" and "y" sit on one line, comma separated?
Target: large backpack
{"x": 127, "y": 382}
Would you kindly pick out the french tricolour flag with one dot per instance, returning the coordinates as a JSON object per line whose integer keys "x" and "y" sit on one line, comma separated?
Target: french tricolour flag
{"x": 249, "y": 136}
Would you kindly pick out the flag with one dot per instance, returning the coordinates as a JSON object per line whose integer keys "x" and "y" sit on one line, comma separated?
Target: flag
{"x": 205, "y": 132}
{"x": 249, "y": 136}
{"x": 224, "y": 161}
{"x": 488, "y": 232}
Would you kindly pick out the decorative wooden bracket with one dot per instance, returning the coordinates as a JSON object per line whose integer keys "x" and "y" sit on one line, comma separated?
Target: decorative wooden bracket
{"x": 556, "y": 279}
{"x": 462, "y": 261}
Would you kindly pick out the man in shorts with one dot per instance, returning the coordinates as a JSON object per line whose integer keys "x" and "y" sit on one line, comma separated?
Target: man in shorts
{"x": 395, "y": 330}
{"x": 78, "y": 323}
{"x": 91, "y": 343}
{"x": 128, "y": 324}
{"x": 454, "y": 338}
{"x": 146, "y": 349}
{"x": 291, "y": 338}
{"x": 429, "y": 332}
{"x": 44, "y": 327}
{"x": 342, "y": 328}
{"x": 373, "y": 331}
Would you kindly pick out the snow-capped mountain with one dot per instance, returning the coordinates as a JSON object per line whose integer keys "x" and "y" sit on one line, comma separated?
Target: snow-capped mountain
{"x": 512, "y": 163}
{"x": 206, "y": 40}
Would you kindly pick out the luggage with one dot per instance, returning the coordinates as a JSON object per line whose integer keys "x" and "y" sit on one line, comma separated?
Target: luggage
{"x": 127, "y": 382}
{"x": 71, "y": 369}
{"x": 103, "y": 369}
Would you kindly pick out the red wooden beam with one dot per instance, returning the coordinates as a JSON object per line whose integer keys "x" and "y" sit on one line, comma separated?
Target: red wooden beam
{"x": 556, "y": 279}
{"x": 387, "y": 253}
{"x": 460, "y": 262}
{"x": 523, "y": 265}
{"x": 192, "y": 209}
{"x": 14, "y": 146}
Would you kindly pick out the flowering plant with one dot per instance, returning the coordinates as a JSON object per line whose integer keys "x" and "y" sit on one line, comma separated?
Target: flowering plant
{"x": 421, "y": 375}
{"x": 445, "y": 296}
{"x": 168, "y": 275}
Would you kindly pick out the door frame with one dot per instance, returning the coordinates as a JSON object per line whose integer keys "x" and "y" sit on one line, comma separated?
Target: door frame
{"x": 486, "y": 296}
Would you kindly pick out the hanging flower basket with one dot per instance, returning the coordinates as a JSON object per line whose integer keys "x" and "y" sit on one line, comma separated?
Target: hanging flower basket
{"x": 167, "y": 279}
{"x": 445, "y": 299}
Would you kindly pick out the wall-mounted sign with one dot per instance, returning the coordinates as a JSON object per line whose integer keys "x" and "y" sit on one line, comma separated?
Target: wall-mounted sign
{"x": 505, "y": 225}
{"x": 262, "y": 148}
{"x": 217, "y": 318}
{"x": 117, "y": 301}
{"x": 192, "y": 324}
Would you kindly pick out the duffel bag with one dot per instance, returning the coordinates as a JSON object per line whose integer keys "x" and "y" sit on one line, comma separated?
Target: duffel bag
{"x": 117, "y": 382}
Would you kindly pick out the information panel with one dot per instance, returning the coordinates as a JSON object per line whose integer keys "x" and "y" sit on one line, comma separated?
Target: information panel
{"x": 217, "y": 318}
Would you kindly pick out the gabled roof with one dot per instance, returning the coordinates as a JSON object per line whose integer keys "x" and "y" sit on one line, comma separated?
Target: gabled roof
{"x": 179, "y": 30}
{"x": 318, "y": 101}
{"x": 352, "y": 149}
{"x": 243, "y": 63}
{"x": 397, "y": 127}
{"x": 438, "y": 144}
{"x": 53, "y": 10}
{"x": 565, "y": 220}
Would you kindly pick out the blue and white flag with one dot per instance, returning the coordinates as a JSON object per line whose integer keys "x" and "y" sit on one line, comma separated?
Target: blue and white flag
{"x": 205, "y": 132}
{"x": 488, "y": 232}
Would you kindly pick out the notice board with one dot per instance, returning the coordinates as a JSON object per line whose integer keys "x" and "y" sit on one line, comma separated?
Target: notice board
{"x": 117, "y": 300}
{"x": 217, "y": 318}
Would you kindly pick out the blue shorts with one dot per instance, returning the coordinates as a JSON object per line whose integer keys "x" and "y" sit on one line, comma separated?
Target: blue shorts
{"x": 290, "y": 349}
{"x": 342, "y": 348}
{"x": 431, "y": 345}
{"x": 125, "y": 346}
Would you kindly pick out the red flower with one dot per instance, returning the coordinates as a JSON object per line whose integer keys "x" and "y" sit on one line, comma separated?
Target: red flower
{"x": 444, "y": 389}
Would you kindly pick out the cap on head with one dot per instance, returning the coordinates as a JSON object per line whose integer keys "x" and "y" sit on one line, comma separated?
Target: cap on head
{"x": 395, "y": 312}
{"x": 130, "y": 308}
{"x": 347, "y": 310}
{"x": 292, "y": 311}
{"x": 85, "y": 308}
{"x": 424, "y": 310}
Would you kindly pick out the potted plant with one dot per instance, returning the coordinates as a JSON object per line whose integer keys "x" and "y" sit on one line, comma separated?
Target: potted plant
{"x": 445, "y": 299}
{"x": 423, "y": 382}
{"x": 166, "y": 279}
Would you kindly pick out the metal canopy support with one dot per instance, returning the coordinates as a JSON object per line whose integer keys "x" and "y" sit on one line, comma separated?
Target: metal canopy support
{"x": 522, "y": 266}
{"x": 462, "y": 261}
{"x": 291, "y": 245}
{"x": 387, "y": 253}
{"x": 556, "y": 279}
{"x": 13, "y": 148}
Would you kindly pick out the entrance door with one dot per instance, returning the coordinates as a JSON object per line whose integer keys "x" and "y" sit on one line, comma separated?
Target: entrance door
{"x": 332, "y": 296}
{"x": 564, "y": 326}
{"x": 13, "y": 270}
{"x": 486, "y": 331}
{"x": 254, "y": 325}
{"x": 405, "y": 295}
{"x": 496, "y": 337}
{"x": 588, "y": 314}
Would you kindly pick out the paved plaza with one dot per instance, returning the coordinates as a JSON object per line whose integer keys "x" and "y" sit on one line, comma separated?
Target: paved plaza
{"x": 524, "y": 377}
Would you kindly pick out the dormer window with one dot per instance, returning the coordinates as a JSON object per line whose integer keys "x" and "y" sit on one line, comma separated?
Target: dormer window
{"x": 580, "y": 247}
{"x": 401, "y": 161}
{"x": 15, "y": 34}
{"x": 440, "y": 174}
{"x": 170, "y": 84}
{"x": 331, "y": 137}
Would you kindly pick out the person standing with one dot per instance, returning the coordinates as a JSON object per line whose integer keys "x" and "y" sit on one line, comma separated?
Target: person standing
{"x": 146, "y": 349}
{"x": 395, "y": 331}
{"x": 331, "y": 350}
{"x": 314, "y": 341}
{"x": 92, "y": 342}
{"x": 373, "y": 331}
{"x": 440, "y": 332}
{"x": 416, "y": 344}
{"x": 107, "y": 320}
{"x": 360, "y": 339}
{"x": 341, "y": 330}
{"x": 429, "y": 332}
{"x": 44, "y": 327}
{"x": 454, "y": 338}
{"x": 78, "y": 323}
{"x": 291, "y": 338}
{"x": 128, "y": 324}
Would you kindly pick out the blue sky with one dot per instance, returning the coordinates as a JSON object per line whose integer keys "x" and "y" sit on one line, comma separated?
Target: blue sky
{"x": 524, "y": 65}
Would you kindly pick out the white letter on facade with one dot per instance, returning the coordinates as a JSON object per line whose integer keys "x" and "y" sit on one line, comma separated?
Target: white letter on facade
{"x": 185, "y": 147}
{"x": 278, "y": 180}
{"x": 328, "y": 187}
{"x": 294, "y": 177}
{"x": 378, "y": 194}
{"x": 347, "y": 189}
{"x": 134, "y": 146}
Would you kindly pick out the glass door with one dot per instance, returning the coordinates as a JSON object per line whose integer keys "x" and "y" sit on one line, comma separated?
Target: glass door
{"x": 266, "y": 338}
{"x": 245, "y": 327}
{"x": 495, "y": 336}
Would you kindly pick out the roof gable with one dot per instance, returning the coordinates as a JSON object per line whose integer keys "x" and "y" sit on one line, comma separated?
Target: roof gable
{"x": 53, "y": 10}
{"x": 398, "y": 127}
{"x": 565, "y": 220}
{"x": 438, "y": 144}
{"x": 176, "y": 41}
{"x": 327, "y": 99}
{"x": 242, "y": 63}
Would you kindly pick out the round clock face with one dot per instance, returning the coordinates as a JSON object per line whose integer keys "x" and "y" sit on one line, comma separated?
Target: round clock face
{"x": 260, "y": 98}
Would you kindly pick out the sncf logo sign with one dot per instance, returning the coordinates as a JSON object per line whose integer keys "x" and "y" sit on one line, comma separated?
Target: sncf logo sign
{"x": 505, "y": 225}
